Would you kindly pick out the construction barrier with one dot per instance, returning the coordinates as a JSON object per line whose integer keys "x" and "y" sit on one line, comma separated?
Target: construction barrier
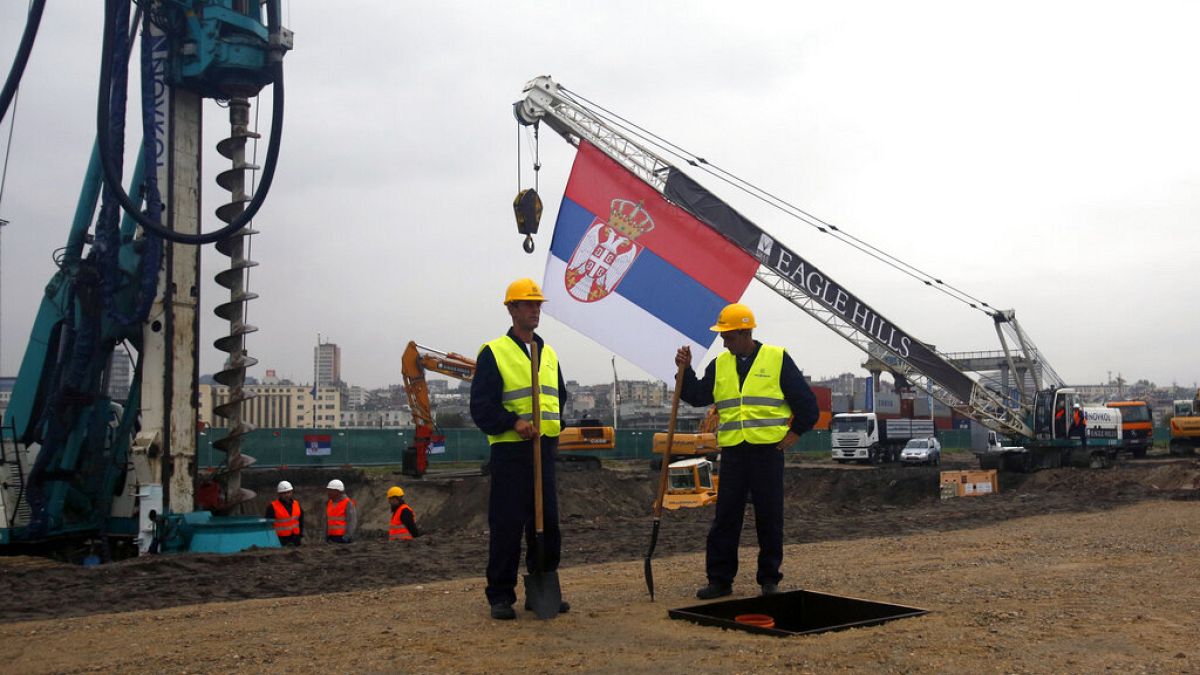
{"x": 382, "y": 447}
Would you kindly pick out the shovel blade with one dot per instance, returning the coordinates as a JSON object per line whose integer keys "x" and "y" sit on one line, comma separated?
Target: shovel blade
{"x": 544, "y": 594}
{"x": 647, "y": 571}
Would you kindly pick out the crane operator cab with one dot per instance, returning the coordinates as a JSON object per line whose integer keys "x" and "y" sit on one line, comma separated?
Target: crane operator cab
{"x": 1052, "y": 414}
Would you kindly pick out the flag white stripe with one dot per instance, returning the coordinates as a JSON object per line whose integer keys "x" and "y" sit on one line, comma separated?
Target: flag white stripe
{"x": 619, "y": 325}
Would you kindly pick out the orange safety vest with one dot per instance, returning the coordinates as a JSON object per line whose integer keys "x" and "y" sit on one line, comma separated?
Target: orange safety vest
{"x": 398, "y": 531}
{"x": 286, "y": 524}
{"x": 335, "y": 517}
{"x": 1078, "y": 419}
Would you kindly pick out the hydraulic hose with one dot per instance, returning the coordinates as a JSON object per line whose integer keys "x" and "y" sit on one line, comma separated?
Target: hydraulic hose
{"x": 111, "y": 174}
{"x": 23, "y": 50}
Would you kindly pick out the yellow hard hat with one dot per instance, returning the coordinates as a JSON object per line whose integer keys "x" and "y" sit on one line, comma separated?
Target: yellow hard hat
{"x": 734, "y": 317}
{"x": 395, "y": 491}
{"x": 523, "y": 289}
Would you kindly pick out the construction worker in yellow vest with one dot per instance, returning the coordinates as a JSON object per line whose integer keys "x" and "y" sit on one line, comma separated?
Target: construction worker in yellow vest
{"x": 502, "y": 407}
{"x": 403, "y": 525}
{"x": 764, "y": 404}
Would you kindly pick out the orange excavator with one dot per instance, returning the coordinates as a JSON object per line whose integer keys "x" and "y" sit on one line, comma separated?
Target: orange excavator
{"x": 416, "y": 360}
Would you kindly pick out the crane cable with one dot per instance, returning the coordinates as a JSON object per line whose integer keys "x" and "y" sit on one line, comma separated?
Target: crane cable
{"x": 776, "y": 202}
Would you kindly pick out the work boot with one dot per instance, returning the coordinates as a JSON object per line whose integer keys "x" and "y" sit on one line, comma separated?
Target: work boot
{"x": 503, "y": 611}
{"x": 770, "y": 589}
{"x": 714, "y": 591}
{"x": 563, "y": 607}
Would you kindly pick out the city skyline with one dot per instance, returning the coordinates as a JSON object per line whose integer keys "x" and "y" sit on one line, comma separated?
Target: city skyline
{"x": 1056, "y": 179}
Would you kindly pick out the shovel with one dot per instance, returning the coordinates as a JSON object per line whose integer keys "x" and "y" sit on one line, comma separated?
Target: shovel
{"x": 541, "y": 587}
{"x": 662, "y": 481}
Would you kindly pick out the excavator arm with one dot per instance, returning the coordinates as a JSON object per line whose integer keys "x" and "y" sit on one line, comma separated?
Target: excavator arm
{"x": 418, "y": 359}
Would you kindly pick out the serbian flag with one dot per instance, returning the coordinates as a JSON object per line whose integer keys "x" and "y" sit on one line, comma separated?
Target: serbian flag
{"x": 634, "y": 272}
{"x": 318, "y": 444}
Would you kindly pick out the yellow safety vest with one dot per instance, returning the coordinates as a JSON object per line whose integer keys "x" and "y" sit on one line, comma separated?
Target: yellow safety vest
{"x": 514, "y": 367}
{"x": 756, "y": 411}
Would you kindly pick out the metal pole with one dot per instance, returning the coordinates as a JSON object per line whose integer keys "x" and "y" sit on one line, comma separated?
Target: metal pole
{"x": 3, "y": 224}
{"x": 616, "y": 404}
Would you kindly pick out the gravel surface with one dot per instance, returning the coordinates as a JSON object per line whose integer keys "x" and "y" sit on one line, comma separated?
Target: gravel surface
{"x": 1064, "y": 571}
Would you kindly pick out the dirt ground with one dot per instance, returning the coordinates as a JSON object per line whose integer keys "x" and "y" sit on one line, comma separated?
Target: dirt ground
{"x": 1068, "y": 570}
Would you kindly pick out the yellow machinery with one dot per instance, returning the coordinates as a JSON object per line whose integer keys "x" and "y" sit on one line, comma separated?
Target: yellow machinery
{"x": 575, "y": 440}
{"x": 586, "y": 438}
{"x": 690, "y": 483}
{"x": 1185, "y": 427}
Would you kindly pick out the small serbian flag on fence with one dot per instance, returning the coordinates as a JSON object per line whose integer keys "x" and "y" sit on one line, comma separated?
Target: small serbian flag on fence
{"x": 636, "y": 273}
{"x": 318, "y": 444}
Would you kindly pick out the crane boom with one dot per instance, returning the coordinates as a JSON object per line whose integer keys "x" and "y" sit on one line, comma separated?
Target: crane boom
{"x": 783, "y": 270}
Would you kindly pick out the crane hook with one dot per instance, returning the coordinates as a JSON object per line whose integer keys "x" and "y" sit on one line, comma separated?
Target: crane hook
{"x": 527, "y": 207}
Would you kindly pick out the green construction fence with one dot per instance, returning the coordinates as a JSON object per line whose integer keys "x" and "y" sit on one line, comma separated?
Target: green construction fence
{"x": 380, "y": 447}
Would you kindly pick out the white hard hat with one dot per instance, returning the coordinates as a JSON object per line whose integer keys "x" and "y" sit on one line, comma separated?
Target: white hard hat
{"x": 283, "y": 486}
{"x": 335, "y": 484}
{"x": 1076, "y": 405}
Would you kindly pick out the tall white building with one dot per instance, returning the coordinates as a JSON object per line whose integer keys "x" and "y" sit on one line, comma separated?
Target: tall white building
{"x": 327, "y": 362}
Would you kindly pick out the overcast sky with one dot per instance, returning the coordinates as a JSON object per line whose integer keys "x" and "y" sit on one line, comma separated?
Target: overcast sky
{"x": 1039, "y": 155}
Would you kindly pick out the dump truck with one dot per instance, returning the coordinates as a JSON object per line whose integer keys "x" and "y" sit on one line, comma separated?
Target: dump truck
{"x": 1137, "y": 426}
{"x": 864, "y": 437}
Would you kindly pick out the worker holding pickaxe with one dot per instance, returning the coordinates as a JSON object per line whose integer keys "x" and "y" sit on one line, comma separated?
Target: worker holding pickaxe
{"x": 764, "y": 405}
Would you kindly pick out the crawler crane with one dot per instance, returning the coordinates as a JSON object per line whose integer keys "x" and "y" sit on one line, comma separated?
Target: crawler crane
{"x": 1012, "y": 391}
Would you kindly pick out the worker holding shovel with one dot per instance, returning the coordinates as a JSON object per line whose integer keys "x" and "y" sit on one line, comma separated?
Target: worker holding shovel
{"x": 516, "y": 395}
{"x": 764, "y": 405}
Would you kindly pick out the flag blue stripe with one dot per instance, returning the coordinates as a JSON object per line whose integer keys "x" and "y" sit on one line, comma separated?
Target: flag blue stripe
{"x": 651, "y": 283}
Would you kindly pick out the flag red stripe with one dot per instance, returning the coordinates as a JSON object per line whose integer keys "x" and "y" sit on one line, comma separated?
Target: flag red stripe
{"x": 677, "y": 237}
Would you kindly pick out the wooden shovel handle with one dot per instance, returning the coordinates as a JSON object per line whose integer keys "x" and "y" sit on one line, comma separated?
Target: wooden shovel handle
{"x": 539, "y": 519}
{"x": 662, "y": 476}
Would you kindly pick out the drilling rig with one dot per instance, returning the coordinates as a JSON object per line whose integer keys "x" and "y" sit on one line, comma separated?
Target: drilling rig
{"x": 80, "y": 469}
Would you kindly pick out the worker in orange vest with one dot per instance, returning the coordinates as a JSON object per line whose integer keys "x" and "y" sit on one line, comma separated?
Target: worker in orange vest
{"x": 403, "y": 526}
{"x": 341, "y": 514}
{"x": 1079, "y": 425}
{"x": 285, "y": 511}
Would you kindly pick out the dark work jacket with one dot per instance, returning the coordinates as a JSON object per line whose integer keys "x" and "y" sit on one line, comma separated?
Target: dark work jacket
{"x": 407, "y": 518}
{"x": 795, "y": 388}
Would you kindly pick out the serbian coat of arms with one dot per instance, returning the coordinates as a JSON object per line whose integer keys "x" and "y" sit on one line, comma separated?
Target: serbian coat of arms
{"x": 606, "y": 251}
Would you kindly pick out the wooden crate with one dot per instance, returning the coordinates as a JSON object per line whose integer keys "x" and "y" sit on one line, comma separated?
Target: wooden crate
{"x": 970, "y": 483}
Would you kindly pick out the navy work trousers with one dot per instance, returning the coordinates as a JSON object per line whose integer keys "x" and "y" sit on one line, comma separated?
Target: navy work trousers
{"x": 757, "y": 471}
{"x": 511, "y": 516}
